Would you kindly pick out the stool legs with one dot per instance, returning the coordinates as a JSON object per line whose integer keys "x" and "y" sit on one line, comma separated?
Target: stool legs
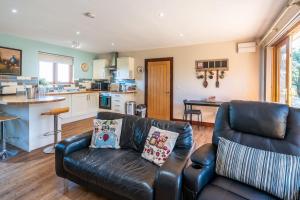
{"x": 3, "y": 153}
{"x": 51, "y": 149}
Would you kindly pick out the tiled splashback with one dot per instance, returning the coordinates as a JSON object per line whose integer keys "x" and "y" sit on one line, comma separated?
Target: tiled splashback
{"x": 19, "y": 79}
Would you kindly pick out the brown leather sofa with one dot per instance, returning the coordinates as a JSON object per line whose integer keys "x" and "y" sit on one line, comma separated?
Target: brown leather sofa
{"x": 123, "y": 173}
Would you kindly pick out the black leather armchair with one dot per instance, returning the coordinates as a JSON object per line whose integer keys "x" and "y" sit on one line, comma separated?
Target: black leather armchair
{"x": 266, "y": 126}
{"x": 123, "y": 173}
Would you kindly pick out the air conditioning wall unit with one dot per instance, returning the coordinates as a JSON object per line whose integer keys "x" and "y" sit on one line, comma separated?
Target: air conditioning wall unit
{"x": 247, "y": 47}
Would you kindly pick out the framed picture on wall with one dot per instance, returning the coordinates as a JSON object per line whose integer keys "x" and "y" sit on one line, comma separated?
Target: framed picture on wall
{"x": 10, "y": 61}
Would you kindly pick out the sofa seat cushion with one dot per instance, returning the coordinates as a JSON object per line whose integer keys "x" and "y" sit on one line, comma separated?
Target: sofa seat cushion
{"x": 227, "y": 189}
{"x": 122, "y": 171}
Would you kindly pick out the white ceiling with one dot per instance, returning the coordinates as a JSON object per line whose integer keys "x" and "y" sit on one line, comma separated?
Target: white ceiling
{"x": 136, "y": 24}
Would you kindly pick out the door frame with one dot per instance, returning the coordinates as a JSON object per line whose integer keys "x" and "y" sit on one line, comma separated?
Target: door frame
{"x": 171, "y": 81}
{"x": 276, "y": 70}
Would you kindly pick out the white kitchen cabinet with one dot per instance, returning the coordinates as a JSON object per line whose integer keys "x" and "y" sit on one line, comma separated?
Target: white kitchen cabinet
{"x": 66, "y": 103}
{"x": 125, "y": 68}
{"x": 79, "y": 104}
{"x": 99, "y": 69}
{"x": 93, "y": 102}
{"x": 118, "y": 102}
{"x": 82, "y": 106}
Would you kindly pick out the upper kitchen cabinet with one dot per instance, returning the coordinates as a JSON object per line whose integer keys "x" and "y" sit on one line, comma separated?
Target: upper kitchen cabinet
{"x": 125, "y": 68}
{"x": 100, "y": 70}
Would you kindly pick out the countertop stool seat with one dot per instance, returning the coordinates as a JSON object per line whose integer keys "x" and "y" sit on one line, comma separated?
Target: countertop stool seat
{"x": 55, "y": 113}
{"x": 5, "y": 153}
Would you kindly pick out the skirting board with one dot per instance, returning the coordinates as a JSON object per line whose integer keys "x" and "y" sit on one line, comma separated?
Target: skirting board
{"x": 207, "y": 124}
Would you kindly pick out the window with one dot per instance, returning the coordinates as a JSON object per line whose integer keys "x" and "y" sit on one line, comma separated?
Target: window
{"x": 286, "y": 68}
{"x": 55, "y": 68}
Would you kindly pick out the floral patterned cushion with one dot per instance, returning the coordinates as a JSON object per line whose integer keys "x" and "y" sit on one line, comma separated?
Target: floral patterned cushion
{"x": 159, "y": 145}
{"x": 106, "y": 133}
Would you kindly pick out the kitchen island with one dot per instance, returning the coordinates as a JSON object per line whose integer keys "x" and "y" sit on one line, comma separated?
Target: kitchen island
{"x": 28, "y": 132}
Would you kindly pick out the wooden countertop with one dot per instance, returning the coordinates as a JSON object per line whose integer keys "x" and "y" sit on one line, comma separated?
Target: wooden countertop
{"x": 88, "y": 91}
{"x": 76, "y": 92}
{"x": 12, "y": 100}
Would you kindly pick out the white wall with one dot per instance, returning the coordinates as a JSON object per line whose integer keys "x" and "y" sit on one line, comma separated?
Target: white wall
{"x": 240, "y": 82}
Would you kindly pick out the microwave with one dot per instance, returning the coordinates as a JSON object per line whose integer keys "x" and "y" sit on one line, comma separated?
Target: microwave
{"x": 101, "y": 85}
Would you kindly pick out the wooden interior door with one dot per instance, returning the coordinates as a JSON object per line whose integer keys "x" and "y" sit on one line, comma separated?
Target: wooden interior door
{"x": 159, "y": 92}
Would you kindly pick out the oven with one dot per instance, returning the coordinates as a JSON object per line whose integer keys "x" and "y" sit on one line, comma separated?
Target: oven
{"x": 105, "y": 101}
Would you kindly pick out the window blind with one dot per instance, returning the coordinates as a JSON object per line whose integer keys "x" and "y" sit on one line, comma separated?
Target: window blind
{"x": 48, "y": 57}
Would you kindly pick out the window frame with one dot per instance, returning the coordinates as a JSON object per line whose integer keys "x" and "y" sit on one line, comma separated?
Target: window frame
{"x": 285, "y": 39}
{"x": 55, "y": 73}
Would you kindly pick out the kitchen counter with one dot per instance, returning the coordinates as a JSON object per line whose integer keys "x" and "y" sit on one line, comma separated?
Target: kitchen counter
{"x": 29, "y": 131}
{"x": 75, "y": 92}
{"x": 14, "y": 99}
{"x": 88, "y": 91}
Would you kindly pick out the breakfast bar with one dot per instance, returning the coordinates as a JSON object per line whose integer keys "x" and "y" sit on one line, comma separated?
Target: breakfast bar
{"x": 29, "y": 131}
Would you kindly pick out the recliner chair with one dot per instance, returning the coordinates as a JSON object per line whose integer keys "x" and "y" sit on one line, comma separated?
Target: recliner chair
{"x": 267, "y": 126}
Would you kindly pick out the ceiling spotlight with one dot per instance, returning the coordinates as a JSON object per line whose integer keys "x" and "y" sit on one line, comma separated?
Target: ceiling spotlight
{"x": 181, "y": 34}
{"x": 77, "y": 33}
{"x": 161, "y": 14}
{"x": 112, "y": 44}
{"x": 14, "y": 10}
{"x": 75, "y": 44}
{"x": 89, "y": 15}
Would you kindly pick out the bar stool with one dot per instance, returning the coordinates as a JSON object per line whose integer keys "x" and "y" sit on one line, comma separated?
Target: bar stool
{"x": 55, "y": 113}
{"x": 188, "y": 110}
{"x": 6, "y": 153}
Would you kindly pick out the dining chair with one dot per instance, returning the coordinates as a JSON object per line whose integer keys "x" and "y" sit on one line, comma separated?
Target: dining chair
{"x": 189, "y": 111}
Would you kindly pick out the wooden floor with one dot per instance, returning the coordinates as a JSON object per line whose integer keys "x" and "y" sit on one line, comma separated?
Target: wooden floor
{"x": 31, "y": 176}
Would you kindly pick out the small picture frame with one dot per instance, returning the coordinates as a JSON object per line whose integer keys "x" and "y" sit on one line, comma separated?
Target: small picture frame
{"x": 10, "y": 61}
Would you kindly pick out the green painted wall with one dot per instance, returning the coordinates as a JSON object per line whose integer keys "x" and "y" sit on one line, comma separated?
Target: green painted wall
{"x": 30, "y": 50}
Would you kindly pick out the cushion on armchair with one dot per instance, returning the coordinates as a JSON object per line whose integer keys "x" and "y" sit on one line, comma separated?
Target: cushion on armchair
{"x": 275, "y": 173}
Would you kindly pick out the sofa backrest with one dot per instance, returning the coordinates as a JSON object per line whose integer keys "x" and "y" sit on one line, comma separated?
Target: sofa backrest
{"x": 267, "y": 126}
{"x": 135, "y": 130}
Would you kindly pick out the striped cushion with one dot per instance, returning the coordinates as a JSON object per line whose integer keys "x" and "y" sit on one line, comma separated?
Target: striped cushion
{"x": 275, "y": 173}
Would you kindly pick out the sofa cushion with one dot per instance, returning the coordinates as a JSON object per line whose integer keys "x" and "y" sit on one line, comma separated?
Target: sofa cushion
{"x": 118, "y": 170}
{"x": 227, "y": 189}
{"x": 277, "y": 174}
{"x": 159, "y": 145}
{"x": 106, "y": 133}
{"x": 259, "y": 118}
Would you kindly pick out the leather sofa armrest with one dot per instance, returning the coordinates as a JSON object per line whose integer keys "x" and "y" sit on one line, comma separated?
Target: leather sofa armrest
{"x": 202, "y": 171}
{"x": 168, "y": 183}
{"x": 195, "y": 178}
{"x": 68, "y": 146}
{"x": 205, "y": 155}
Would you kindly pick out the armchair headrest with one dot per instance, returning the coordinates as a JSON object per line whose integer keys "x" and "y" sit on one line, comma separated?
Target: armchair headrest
{"x": 259, "y": 118}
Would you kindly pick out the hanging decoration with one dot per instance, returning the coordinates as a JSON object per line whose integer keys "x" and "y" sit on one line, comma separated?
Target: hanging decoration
{"x": 210, "y": 69}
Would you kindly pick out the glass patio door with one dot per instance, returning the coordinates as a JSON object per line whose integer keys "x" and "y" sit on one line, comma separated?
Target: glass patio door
{"x": 283, "y": 72}
{"x": 295, "y": 70}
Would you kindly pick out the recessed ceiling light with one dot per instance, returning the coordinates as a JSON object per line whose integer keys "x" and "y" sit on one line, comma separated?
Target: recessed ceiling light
{"x": 181, "y": 34}
{"x": 77, "y": 32}
{"x": 14, "y": 10}
{"x": 75, "y": 44}
{"x": 161, "y": 14}
{"x": 89, "y": 14}
{"x": 112, "y": 44}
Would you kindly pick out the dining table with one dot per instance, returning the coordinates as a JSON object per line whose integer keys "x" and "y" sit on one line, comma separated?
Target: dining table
{"x": 204, "y": 103}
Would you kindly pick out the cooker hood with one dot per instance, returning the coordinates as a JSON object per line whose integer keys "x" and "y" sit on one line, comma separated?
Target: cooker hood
{"x": 113, "y": 62}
